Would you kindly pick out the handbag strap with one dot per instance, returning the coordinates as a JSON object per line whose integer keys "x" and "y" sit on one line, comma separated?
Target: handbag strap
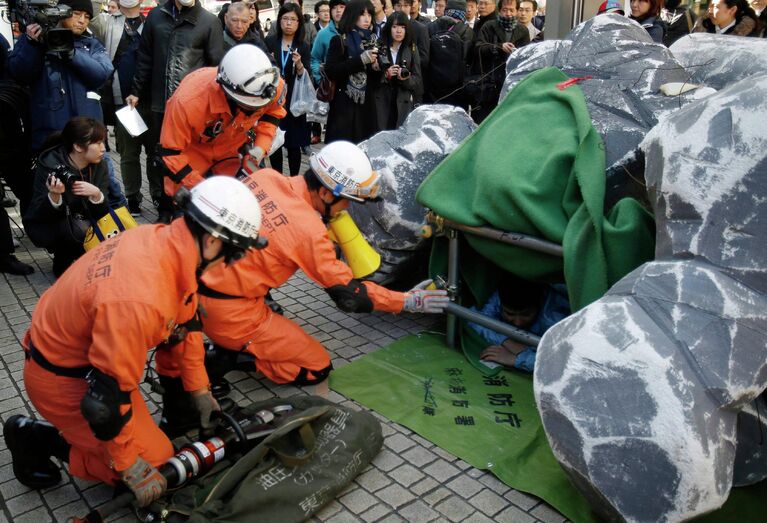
{"x": 97, "y": 230}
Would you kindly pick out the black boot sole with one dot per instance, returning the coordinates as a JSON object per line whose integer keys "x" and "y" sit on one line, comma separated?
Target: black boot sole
{"x": 23, "y": 465}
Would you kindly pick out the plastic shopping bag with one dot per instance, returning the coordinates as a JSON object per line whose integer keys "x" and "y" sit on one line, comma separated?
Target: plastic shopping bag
{"x": 304, "y": 95}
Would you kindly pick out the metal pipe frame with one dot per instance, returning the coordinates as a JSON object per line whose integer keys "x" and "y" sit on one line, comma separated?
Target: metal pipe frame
{"x": 512, "y": 332}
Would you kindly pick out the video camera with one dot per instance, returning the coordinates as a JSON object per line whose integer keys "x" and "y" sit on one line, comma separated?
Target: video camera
{"x": 47, "y": 14}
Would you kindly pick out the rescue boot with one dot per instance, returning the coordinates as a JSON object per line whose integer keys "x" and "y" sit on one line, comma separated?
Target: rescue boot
{"x": 220, "y": 361}
{"x": 32, "y": 443}
{"x": 179, "y": 415}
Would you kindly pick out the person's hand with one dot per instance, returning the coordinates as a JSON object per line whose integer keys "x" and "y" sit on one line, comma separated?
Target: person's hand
{"x": 257, "y": 153}
{"x": 370, "y": 56}
{"x": 131, "y": 100}
{"x": 34, "y": 31}
{"x": 145, "y": 481}
{"x": 298, "y": 65}
{"x": 55, "y": 186}
{"x": 512, "y": 346}
{"x": 206, "y": 404}
{"x": 508, "y": 47}
{"x": 498, "y": 354}
{"x": 392, "y": 72}
{"x": 420, "y": 299}
{"x": 86, "y": 189}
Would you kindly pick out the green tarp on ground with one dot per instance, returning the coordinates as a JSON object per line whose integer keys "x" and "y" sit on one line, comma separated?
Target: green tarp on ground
{"x": 488, "y": 421}
{"x": 536, "y": 166}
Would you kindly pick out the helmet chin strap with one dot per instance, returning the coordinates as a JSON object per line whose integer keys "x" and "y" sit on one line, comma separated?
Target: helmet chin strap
{"x": 203, "y": 262}
{"x": 326, "y": 215}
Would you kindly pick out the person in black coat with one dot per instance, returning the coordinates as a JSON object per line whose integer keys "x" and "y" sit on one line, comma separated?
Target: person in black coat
{"x": 356, "y": 71}
{"x": 402, "y": 81}
{"x": 496, "y": 41}
{"x": 70, "y": 181}
{"x": 292, "y": 56}
{"x": 647, "y": 14}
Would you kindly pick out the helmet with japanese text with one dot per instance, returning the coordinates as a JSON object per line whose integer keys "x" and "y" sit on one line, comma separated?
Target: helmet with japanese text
{"x": 226, "y": 209}
{"x": 345, "y": 170}
{"x": 248, "y": 77}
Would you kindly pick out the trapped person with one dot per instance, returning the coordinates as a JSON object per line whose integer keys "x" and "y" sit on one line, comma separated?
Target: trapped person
{"x": 401, "y": 82}
{"x": 647, "y": 14}
{"x": 352, "y": 63}
{"x": 295, "y": 212}
{"x": 120, "y": 32}
{"x": 527, "y": 305}
{"x": 217, "y": 111}
{"x": 70, "y": 183}
{"x": 291, "y": 53}
{"x": 87, "y": 346}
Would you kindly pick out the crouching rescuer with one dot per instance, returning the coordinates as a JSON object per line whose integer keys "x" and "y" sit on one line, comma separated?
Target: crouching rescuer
{"x": 91, "y": 331}
{"x": 247, "y": 334}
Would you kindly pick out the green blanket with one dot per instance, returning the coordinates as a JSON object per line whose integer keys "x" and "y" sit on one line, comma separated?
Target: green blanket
{"x": 490, "y": 422}
{"x": 536, "y": 166}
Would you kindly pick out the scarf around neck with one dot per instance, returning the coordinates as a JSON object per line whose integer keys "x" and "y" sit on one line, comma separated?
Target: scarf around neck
{"x": 357, "y": 84}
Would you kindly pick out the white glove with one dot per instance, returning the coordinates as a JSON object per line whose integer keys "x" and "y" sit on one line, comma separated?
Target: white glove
{"x": 419, "y": 299}
{"x": 256, "y": 153}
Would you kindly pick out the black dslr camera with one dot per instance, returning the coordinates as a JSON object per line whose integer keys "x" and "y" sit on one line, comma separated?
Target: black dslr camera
{"x": 65, "y": 175}
{"x": 47, "y": 14}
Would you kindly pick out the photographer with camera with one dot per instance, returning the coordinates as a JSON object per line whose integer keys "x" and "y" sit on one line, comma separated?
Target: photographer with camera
{"x": 64, "y": 68}
{"x": 70, "y": 182}
{"x": 401, "y": 81}
{"x": 352, "y": 63}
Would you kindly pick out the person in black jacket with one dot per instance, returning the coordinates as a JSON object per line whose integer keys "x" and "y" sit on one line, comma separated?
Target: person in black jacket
{"x": 292, "y": 55}
{"x": 70, "y": 181}
{"x": 496, "y": 41}
{"x": 179, "y": 37}
{"x": 353, "y": 64}
{"x": 237, "y": 28}
{"x": 679, "y": 20}
{"x": 647, "y": 14}
{"x": 401, "y": 81}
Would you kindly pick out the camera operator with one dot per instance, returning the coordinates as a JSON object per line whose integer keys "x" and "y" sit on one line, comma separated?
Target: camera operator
{"x": 70, "y": 181}
{"x": 63, "y": 82}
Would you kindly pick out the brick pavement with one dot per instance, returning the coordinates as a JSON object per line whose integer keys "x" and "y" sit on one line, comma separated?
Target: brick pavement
{"x": 410, "y": 480}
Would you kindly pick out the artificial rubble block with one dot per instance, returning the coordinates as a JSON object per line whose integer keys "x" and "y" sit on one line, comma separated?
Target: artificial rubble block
{"x": 627, "y": 69}
{"x": 404, "y": 157}
{"x": 704, "y": 56}
{"x": 640, "y": 392}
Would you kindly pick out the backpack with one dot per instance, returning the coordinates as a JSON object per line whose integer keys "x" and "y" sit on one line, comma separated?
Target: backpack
{"x": 287, "y": 477}
{"x": 446, "y": 57}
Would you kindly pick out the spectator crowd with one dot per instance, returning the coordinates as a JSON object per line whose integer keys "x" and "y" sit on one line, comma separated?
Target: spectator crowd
{"x": 378, "y": 59}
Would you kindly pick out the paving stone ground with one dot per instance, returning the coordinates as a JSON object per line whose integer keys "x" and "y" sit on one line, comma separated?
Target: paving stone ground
{"x": 411, "y": 480}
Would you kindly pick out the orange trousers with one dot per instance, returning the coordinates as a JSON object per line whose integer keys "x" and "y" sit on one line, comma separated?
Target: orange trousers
{"x": 57, "y": 398}
{"x": 280, "y": 346}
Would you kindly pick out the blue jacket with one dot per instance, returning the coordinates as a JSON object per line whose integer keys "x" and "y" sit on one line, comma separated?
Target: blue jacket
{"x": 556, "y": 307}
{"x": 59, "y": 88}
{"x": 320, "y": 49}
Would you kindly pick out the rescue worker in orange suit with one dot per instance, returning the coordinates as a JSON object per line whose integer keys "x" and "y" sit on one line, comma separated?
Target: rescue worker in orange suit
{"x": 294, "y": 211}
{"x": 91, "y": 331}
{"x": 216, "y": 113}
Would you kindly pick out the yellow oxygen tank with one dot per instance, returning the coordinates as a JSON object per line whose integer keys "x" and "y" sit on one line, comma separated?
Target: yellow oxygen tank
{"x": 359, "y": 255}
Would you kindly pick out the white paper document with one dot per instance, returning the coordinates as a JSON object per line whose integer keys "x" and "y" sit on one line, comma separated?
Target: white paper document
{"x": 131, "y": 120}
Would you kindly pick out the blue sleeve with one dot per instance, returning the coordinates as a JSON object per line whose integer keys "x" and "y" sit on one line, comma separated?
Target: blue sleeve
{"x": 93, "y": 66}
{"x": 556, "y": 307}
{"x": 525, "y": 360}
{"x": 491, "y": 309}
{"x": 319, "y": 50}
{"x": 25, "y": 63}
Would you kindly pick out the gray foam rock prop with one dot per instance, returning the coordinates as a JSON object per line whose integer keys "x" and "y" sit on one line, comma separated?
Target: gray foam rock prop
{"x": 404, "y": 157}
{"x": 702, "y": 55}
{"x": 627, "y": 70}
{"x": 640, "y": 392}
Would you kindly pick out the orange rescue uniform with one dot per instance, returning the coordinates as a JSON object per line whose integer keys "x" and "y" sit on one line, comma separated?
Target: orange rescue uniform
{"x": 106, "y": 311}
{"x": 298, "y": 239}
{"x": 199, "y": 128}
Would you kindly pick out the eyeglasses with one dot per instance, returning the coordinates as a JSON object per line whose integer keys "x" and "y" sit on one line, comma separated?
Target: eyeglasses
{"x": 291, "y": 19}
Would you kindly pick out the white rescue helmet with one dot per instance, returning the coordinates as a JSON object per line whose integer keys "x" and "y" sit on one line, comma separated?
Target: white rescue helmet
{"x": 248, "y": 77}
{"x": 345, "y": 170}
{"x": 226, "y": 209}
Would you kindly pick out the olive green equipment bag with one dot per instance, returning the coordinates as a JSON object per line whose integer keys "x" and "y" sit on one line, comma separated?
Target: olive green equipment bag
{"x": 289, "y": 475}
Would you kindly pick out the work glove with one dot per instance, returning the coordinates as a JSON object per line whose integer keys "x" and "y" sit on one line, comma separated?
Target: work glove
{"x": 420, "y": 299}
{"x": 206, "y": 404}
{"x": 257, "y": 154}
{"x": 145, "y": 481}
